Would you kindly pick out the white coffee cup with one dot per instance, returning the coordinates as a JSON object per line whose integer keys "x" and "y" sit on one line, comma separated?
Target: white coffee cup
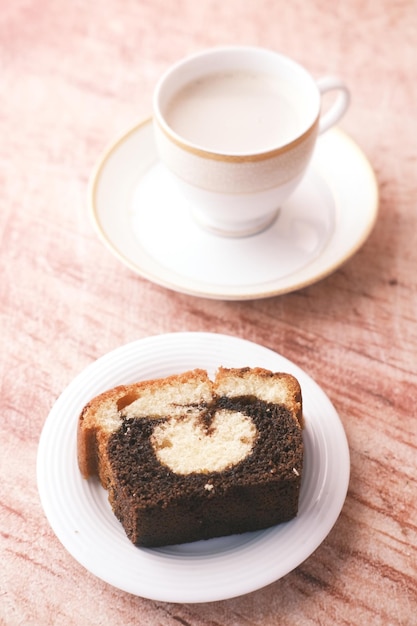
{"x": 237, "y": 127}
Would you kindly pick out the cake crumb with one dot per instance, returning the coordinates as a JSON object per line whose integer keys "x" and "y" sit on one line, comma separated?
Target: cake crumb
{"x": 296, "y": 472}
{"x": 208, "y": 487}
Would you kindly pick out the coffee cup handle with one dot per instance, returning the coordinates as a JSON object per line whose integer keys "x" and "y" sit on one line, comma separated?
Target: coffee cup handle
{"x": 339, "y": 107}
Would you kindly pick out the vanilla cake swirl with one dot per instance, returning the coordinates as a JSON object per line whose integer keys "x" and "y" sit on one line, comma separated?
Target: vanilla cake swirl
{"x": 185, "y": 458}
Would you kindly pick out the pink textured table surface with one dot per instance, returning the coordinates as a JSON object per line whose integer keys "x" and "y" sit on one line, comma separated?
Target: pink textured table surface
{"x": 74, "y": 75}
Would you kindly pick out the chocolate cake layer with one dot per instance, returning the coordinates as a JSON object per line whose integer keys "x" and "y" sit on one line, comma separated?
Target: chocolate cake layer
{"x": 158, "y": 506}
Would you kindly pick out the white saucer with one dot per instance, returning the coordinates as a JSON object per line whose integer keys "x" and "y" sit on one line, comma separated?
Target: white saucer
{"x": 142, "y": 218}
{"x": 203, "y": 571}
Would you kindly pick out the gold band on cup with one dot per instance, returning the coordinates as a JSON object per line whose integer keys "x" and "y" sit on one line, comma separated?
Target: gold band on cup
{"x": 239, "y": 158}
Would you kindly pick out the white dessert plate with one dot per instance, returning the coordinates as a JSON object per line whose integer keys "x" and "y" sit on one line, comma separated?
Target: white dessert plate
{"x": 141, "y": 216}
{"x": 203, "y": 571}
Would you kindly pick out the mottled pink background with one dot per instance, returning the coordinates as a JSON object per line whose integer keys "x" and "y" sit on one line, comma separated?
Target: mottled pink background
{"x": 74, "y": 75}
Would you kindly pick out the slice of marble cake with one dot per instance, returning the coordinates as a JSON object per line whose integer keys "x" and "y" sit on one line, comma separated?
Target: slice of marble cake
{"x": 185, "y": 458}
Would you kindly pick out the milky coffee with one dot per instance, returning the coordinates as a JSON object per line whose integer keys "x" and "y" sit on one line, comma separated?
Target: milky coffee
{"x": 235, "y": 112}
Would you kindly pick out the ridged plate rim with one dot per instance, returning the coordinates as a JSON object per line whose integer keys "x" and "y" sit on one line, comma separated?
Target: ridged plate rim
{"x": 80, "y": 515}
